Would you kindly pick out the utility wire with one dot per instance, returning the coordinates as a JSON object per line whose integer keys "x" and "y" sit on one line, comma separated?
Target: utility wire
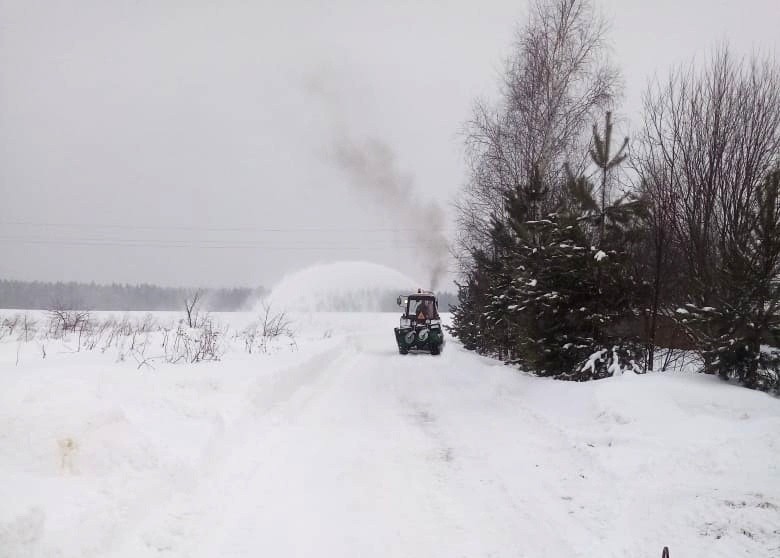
{"x": 221, "y": 229}
{"x": 206, "y": 244}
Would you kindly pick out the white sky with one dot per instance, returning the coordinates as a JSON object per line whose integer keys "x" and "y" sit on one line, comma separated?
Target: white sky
{"x": 195, "y": 138}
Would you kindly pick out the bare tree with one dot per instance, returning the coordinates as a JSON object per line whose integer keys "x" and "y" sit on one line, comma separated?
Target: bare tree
{"x": 557, "y": 80}
{"x": 710, "y": 138}
{"x": 660, "y": 206}
{"x": 63, "y": 317}
{"x": 192, "y": 307}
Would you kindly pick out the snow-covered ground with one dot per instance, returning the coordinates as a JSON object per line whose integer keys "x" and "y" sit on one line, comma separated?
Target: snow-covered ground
{"x": 345, "y": 448}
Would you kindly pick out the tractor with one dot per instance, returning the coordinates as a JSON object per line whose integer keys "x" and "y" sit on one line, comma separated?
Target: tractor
{"x": 420, "y": 328}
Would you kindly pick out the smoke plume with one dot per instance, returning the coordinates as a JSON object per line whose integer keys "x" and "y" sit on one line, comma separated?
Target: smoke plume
{"x": 372, "y": 169}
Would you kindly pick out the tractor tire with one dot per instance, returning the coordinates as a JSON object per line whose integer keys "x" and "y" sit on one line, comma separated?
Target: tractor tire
{"x": 403, "y": 351}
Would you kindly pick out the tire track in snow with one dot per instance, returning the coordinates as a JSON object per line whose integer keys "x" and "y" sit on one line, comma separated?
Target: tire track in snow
{"x": 352, "y": 476}
{"x": 274, "y": 470}
{"x": 467, "y": 422}
{"x": 173, "y": 528}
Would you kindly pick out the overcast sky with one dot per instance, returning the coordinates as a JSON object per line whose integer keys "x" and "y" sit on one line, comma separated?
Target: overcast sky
{"x": 187, "y": 142}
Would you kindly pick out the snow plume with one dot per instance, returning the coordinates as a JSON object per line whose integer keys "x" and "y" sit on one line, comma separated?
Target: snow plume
{"x": 373, "y": 170}
{"x": 350, "y": 286}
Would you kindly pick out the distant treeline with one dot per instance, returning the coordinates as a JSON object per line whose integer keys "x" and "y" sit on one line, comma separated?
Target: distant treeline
{"x": 91, "y": 296}
{"x": 32, "y": 295}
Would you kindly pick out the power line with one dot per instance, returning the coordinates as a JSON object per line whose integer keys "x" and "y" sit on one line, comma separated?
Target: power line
{"x": 200, "y": 244}
{"x": 221, "y": 229}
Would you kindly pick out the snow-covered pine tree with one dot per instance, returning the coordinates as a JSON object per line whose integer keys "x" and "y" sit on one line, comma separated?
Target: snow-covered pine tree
{"x": 485, "y": 318}
{"x": 551, "y": 293}
{"x": 574, "y": 294}
{"x": 578, "y": 283}
{"x": 465, "y": 325}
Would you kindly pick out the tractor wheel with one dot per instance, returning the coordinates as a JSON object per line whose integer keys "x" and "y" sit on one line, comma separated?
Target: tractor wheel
{"x": 403, "y": 351}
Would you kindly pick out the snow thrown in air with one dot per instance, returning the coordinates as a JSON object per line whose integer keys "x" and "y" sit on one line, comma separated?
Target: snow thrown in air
{"x": 346, "y": 286}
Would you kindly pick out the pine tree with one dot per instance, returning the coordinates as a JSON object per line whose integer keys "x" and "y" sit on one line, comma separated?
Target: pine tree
{"x": 588, "y": 274}
{"x": 576, "y": 294}
{"x": 600, "y": 154}
{"x": 552, "y": 290}
{"x": 485, "y": 318}
{"x": 465, "y": 325}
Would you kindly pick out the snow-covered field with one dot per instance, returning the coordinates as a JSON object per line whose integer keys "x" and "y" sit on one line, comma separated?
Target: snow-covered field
{"x": 344, "y": 448}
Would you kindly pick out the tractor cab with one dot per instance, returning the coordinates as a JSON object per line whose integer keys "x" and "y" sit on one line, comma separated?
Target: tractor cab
{"x": 419, "y": 307}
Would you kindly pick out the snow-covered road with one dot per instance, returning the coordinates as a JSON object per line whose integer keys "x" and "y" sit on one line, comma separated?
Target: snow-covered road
{"x": 359, "y": 452}
{"x": 345, "y": 448}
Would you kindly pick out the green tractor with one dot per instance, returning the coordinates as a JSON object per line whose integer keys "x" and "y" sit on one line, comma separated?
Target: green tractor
{"x": 420, "y": 328}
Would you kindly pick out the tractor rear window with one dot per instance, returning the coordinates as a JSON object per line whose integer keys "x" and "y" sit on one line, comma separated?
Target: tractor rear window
{"x": 423, "y": 309}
